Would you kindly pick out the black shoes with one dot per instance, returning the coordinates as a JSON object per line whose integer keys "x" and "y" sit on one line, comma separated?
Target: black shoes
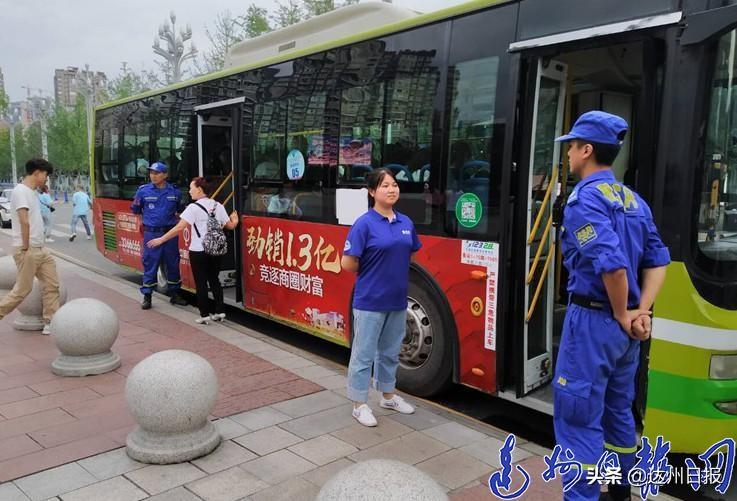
{"x": 146, "y": 303}
{"x": 178, "y": 300}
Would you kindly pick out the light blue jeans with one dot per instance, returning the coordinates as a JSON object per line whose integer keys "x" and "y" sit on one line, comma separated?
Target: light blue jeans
{"x": 377, "y": 339}
{"x": 86, "y": 224}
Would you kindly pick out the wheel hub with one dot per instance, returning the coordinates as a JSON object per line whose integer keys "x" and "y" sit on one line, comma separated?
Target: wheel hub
{"x": 418, "y": 340}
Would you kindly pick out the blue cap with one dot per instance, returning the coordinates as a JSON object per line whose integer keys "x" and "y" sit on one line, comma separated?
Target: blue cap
{"x": 598, "y": 127}
{"x": 158, "y": 167}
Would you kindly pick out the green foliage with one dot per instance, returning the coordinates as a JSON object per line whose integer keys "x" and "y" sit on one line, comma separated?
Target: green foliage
{"x": 67, "y": 138}
{"x": 127, "y": 84}
{"x": 4, "y": 101}
{"x": 287, "y": 13}
{"x": 223, "y": 34}
{"x": 255, "y": 22}
{"x": 317, "y": 7}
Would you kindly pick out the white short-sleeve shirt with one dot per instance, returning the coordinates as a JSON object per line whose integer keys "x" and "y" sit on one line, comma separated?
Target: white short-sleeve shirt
{"x": 197, "y": 217}
{"x": 24, "y": 197}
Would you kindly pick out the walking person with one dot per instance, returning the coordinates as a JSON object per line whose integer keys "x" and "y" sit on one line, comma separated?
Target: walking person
{"x": 29, "y": 254}
{"x": 379, "y": 248}
{"x": 616, "y": 261}
{"x": 47, "y": 207}
{"x": 159, "y": 202}
{"x": 205, "y": 265}
{"x": 81, "y": 205}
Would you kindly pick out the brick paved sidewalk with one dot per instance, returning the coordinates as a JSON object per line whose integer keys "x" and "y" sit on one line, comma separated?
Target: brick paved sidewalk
{"x": 285, "y": 422}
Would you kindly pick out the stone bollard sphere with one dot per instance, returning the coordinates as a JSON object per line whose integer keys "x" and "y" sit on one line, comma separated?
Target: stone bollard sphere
{"x": 84, "y": 330}
{"x": 31, "y": 309}
{"x": 170, "y": 394}
{"x": 381, "y": 480}
{"x": 8, "y": 273}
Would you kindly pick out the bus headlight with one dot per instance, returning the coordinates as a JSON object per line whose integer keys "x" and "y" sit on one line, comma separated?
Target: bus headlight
{"x": 728, "y": 407}
{"x": 723, "y": 367}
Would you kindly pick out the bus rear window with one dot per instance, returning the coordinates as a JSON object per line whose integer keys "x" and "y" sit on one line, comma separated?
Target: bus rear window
{"x": 717, "y": 203}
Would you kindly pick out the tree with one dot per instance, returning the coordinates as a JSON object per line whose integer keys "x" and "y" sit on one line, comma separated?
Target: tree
{"x": 175, "y": 53}
{"x": 317, "y": 7}
{"x": 225, "y": 32}
{"x": 255, "y": 22}
{"x": 288, "y": 13}
{"x": 4, "y": 101}
{"x": 127, "y": 83}
{"x": 67, "y": 136}
{"x": 5, "y": 167}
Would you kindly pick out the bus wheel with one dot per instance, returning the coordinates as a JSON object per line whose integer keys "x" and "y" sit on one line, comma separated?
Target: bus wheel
{"x": 425, "y": 359}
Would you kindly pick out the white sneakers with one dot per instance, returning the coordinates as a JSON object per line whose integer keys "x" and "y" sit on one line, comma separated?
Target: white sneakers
{"x": 47, "y": 330}
{"x": 398, "y": 404}
{"x": 49, "y": 240}
{"x": 217, "y": 317}
{"x": 202, "y": 320}
{"x": 89, "y": 237}
{"x": 364, "y": 415}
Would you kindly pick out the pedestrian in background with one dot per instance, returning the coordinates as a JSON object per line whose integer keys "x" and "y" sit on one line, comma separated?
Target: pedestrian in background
{"x": 82, "y": 204}
{"x": 47, "y": 207}
{"x": 616, "y": 263}
{"x": 205, "y": 266}
{"x": 379, "y": 247}
{"x": 31, "y": 258}
{"x": 159, "y": 202}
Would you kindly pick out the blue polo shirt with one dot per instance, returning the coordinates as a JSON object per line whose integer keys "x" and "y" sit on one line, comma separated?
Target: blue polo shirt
{"x": 383, "y": 249}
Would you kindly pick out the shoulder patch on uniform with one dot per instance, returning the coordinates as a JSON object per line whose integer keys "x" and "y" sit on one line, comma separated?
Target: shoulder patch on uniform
{"x": 573, "y": 197}
{"x": 585, "y": 234}
{"x": 347, "y": 246}
{"x": 608, "y": 192}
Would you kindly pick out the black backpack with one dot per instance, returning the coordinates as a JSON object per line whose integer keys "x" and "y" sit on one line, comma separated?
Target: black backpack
{"x": 214, "y": 242}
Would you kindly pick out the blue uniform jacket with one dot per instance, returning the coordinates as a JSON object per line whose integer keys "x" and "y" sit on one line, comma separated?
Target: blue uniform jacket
{"x": 607, "y": 226}
{"x": 158, "y": 206}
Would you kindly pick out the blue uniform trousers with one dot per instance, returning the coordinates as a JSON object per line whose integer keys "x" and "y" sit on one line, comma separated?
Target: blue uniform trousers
{"x": 594, "y": 386}
{"x": 169, "y": 252}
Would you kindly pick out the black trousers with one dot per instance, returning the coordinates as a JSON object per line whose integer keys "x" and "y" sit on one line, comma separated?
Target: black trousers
{"x": 205, "y": 269}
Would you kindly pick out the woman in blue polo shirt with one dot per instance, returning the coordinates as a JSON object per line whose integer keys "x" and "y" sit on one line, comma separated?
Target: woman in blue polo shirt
{"x": 379, "y": 247}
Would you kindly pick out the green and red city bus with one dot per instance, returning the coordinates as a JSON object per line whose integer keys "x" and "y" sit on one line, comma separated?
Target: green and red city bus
{"x": 463, "y": 105}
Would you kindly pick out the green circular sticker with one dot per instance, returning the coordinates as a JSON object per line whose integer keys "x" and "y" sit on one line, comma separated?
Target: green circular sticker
{"x": 469, "y": 210}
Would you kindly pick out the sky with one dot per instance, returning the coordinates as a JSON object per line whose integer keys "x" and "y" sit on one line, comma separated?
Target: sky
{"x": 39, "y": 36}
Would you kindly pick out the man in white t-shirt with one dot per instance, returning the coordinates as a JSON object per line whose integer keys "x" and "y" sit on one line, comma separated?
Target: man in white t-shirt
{"x": 31, "y": 258}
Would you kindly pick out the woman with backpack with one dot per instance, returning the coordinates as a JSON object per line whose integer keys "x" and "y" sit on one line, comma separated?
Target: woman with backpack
{"x": 207, "y": 245}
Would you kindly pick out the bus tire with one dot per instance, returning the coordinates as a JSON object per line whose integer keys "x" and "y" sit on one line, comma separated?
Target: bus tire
{"x": 426, "y": 356}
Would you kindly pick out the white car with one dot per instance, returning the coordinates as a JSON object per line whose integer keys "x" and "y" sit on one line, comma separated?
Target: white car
{"x": 5, "y": 207}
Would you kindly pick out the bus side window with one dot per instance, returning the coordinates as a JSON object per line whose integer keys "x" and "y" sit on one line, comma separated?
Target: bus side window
{"x": 361, "y": 115}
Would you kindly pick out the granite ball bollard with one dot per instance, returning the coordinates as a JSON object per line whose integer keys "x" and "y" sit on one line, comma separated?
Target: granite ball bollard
{"x": 170, "y": 394}
{"x": 381, "y": 480}
{"x": 84, "y": 330}
{"x": 8, "y": 274}
{"x": 31, "y": 309}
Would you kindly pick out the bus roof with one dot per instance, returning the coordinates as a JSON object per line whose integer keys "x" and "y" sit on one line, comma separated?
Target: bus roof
{"x": 400, "y": 20}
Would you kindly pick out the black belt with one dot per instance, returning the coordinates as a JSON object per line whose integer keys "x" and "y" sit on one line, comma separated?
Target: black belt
{"x": 157, "y": 228}
{"x": 593, "y": 304}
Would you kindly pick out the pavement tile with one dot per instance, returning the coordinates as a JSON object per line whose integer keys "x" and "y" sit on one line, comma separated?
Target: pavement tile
{"x": 155, "y": 479}
{"x": 18, "y": 445}
{"x": 313, "y": 372}
{"x": 333, "y": 382}
{"x": 55, "y": 456}
{"x": 114, "y": 489}
{"x": 536, "y": 449}
{"x": 267, "y": 440}
{"x": 37, "y": 404}
{"x": 310, "y": 404}
{"x": 268, "y": 355}
{"x": 323, "y": 450}
{"x": 364, "y": 437}
{"x": 487, "y": 450}
{"x": 227, "y": 454}
{"x": 55, "y": 481}
{"x": 178, "y": 494}
{"x": 27, "y": 367}
{"x": 38, "y": 421}
{"x": 64, "y": 384}
{"x": 278, "y": 466}
{"x": 454, "y": 468}
{"x": 230, "y": 429}
{"x": 10, "y": 492}
{"x": 294, "y": 489}
{"x": 93, "y": 425}
{"x": 96, "y": 407}
{"x": 227, "y": 485}
{"x": 248, "y": 401}
{"x": 412, "y": 448}
{"x": 26, "y": 379}
{"x": 320, "y": 423}
{"x": 110, "y": 464}
{"x": 322, "y": 474}
{"x": 10, "y": 360}
{"x": 420, "y": 420}
{"x": 16, "y": 394}
{"x": 293, "y": 362}
{"x": 454, "y": 434}
{"x": 257, "y": 381}
{"x": 260, "y": 418}
{"x": 299, "y": 387}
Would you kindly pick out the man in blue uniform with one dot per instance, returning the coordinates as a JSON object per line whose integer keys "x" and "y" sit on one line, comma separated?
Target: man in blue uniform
{"x": 159, "y": 202}
{"x": 616, "y": 261}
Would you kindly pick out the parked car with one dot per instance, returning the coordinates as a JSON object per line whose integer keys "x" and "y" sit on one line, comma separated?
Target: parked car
{"x": 5, "y": 207}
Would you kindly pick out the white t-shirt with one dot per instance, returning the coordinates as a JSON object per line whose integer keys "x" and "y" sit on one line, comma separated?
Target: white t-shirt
{"x": 197, "y": 217}
{"x": 24, "y": 197}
